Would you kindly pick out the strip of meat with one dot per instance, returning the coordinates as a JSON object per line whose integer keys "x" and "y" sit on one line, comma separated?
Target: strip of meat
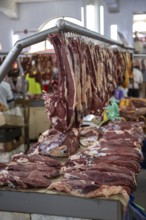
{"x": 127, "y": 134}
{"x": 98, "y": 151}
{"x": 101, "y": 166}
{"x": 56, "y": 108}
{"x": 16, "y": 179}
{"x": 123, "y": 125}
{"x": 121, "y": 143}
{"x": 77, "y": 74}
{"x": 56, "y": 103}
{"x": 103, "y": 178}
{"x": 83, "y": 78}
{"x": 70, "y": 80}
{"x": 77, "y": 162}
{"x": 127, "y": 162}
{"x": 88, "y": 189}
{"x": 36, "y": 158}
{"x": 30, "y": 166}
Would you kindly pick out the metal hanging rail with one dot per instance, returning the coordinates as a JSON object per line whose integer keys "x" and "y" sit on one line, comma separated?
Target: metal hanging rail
{"x": 18, "y": 47}
{"x": 61, "y": 25}
{"x": 70, "y": 27}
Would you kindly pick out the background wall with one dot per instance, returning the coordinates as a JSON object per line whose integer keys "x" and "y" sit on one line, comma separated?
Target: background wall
{"x": 32, "y": 15}
{"x": 124, "y": 19}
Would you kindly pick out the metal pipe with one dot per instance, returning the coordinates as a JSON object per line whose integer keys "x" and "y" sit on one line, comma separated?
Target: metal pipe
{"x": 36, "y": 38}
{"x": 61, "y": 25}
{"x": 17, "y": 48}
{"x": 8, "y": 61}
{"x": 70, "y": 27}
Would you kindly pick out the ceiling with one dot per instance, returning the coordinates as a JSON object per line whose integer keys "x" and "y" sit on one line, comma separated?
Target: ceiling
{"x": 10, "y": 7}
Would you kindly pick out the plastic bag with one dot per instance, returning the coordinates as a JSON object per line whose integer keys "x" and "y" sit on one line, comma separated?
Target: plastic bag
{"x": 111, "y": 111}
{"x": 134, "y": 212}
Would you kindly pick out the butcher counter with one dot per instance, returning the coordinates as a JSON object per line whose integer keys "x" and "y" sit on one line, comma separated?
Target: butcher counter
{"x": 46, "y": 203}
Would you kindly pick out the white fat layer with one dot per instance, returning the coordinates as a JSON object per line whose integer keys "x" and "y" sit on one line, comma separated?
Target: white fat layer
{"x": 54, "y": 120}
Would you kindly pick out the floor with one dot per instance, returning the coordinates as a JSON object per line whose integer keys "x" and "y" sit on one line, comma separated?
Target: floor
{"x": 140, "y": 194}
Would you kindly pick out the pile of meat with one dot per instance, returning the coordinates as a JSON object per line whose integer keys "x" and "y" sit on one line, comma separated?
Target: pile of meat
{"x": 108, "y": 167}
{"x": 88, "y": 76}
{"x": 106, "y": 163}
{"x": 29, "y": 171}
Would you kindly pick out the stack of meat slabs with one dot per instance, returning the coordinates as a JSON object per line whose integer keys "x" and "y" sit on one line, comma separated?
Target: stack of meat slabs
{"x": 29, "y": 172}
{"x": 108, "y": 166}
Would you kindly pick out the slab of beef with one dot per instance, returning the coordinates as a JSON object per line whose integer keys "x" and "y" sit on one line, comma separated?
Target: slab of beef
{"x": 57, "y": 144}
{"x": 121, "y": 143}
{"x": 80, "y": 160}
{"x": 50, "y": 172}
{"x": 129, "y": 163}
{"x": 103, "y": 178}
{"x": 29, "y": 171}
{"x": 133, "y": 165}
{"x": 123, "y": 125}
{"x": 97, "y": 151}
{"x": 36, "y": 158}
{"x": 88, "y": 135}
{"x": 88, "y": 189}
{"x": 130, "y": 134}
{"x": 105, "y": 167}
{"x": 24, "y": 179}
{"x": 56, "y": 109}
{"x": 131, "y": 130}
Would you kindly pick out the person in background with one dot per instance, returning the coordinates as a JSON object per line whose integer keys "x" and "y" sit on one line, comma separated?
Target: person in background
{"x": 6, "y": 95}
{"x": 120, "y": 93}
{"x": 136, "y": 81}
{"x": 143, "y": 70}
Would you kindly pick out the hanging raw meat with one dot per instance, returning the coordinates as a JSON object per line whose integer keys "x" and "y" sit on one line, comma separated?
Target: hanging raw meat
{"x": 88, "y": 76}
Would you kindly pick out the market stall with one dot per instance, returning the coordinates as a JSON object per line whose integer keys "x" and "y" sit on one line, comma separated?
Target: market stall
{"x": 59, "y": 204}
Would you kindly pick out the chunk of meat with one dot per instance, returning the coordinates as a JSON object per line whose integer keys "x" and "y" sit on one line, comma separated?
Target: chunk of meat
{"x": 57, "y": 144}
{"x": 88, "y": 135}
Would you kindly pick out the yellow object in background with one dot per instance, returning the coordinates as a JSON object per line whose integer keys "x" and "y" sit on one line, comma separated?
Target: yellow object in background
{"x": 105, "y": 116}
{"x": 34, "y": 88}
{"x": 128, "y": 70}
{"x": 124, "y": 102}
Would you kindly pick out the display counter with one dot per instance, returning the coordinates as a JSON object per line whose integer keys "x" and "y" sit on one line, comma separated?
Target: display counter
{"x": 60, "y": 205}
{"x": 38, "y": 122}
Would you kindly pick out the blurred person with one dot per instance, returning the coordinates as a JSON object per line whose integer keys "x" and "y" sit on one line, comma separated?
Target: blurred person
{"x": 143, "y": 70}
{"x": 136, "y": 81}
{"x": 6, "y": 95}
